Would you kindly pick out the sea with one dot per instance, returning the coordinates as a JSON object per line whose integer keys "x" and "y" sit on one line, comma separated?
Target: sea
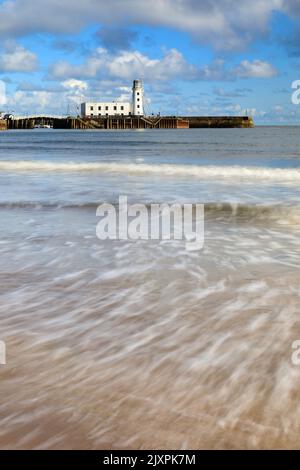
{"x": 143, "y": 344}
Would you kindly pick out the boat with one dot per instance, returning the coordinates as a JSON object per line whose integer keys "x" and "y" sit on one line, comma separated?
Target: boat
{"x": 42, "y": 126}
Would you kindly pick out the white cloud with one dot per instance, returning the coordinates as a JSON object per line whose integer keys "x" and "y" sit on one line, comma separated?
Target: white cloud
{"x": 127, "y": 65}
{"x": 238, "y": 110}
{"x": 72, "y": 83}
{"x": 30, "y": 101}
{"x": 50, "y": 102}
{"x": 227, "y": 24}
{"x": 214, "y": 71}
{"x": 236, "y": 93}
{"x": 255, "y": 69}
{"x": 54, "y": 100}
{"x": 17, "y": 59}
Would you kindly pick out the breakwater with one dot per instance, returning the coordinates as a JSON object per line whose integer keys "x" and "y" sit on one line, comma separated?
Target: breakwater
{"x": 129, "y": 122}
{"x": 109, "y": 122}
{"x": 122, "y": 122}
{"x": 158, "y": 122}
{"x": 220, "y": 121}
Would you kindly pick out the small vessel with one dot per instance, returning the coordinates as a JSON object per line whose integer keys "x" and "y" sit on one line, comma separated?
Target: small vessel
{"x": 42, "y": 126}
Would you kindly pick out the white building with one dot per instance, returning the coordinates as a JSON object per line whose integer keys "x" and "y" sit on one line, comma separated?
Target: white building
{"x": 106, "y": 109}
{"x": 117, "y": 108}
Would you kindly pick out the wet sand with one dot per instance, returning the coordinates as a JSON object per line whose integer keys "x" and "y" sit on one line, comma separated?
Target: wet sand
{"x": 174, "y": 350}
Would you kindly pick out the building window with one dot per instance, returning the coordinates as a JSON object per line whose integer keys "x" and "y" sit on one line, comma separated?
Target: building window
{"x": 92, "y": 114}
{"x": 138, "y": 99}
{"x": 106, "y": 114}
{"x": 138, "y": 105}
{"x": 138, "y": 93}
{"x": 99, "y": 108}
{"x": 115, "y": 108}
{"x": 99, "y": 114}
{"x": 122, "y": 108}
{"x": 106, "y": 108}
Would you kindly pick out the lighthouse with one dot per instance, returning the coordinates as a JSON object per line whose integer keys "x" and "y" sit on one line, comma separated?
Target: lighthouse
{"x": 137, "y": 98}
{"x": 99, "y": 109}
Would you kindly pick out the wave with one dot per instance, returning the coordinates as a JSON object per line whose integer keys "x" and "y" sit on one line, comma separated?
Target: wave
{"x": 278, "y": 213}
{"x": 282, "y": 214}
{"x": 282, "y": 175}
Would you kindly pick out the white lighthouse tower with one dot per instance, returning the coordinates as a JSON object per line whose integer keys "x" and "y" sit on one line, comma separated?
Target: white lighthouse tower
{"x": 137, "y": 98}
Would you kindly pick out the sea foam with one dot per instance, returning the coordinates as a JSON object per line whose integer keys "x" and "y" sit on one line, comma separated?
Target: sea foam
{"x": 291, "y": 175}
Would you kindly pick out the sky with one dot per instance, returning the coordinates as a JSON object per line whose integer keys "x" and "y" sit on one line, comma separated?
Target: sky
{"x": 195, "y": 57}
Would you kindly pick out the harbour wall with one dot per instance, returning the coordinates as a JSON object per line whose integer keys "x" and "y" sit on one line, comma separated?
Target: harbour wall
{"x": 219, "y": 121}
{"x": 129, "y": 122}
{"x": 122, "y": 122}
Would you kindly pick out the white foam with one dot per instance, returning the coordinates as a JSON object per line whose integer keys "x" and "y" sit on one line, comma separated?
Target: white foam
{"x": 223, "y": 172}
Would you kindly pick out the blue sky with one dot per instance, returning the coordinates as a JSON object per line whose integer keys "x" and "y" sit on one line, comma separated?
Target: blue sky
{"x": 195, "y": 57}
